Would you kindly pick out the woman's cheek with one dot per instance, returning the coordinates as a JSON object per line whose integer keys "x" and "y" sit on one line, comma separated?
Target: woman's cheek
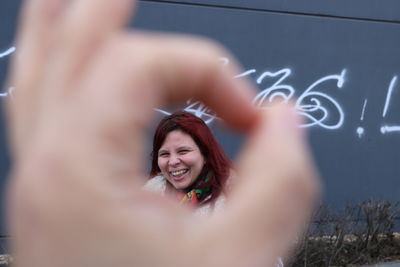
{"x": 161, "y": 164}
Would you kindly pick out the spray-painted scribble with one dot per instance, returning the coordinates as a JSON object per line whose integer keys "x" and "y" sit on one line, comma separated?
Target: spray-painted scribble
{"x": 201, "y": 111}
{"x": 9, "y": 92}
{"x": 197, "y": 108}
{"x": 389, "y": 95}
{"x": 363, "y": 109}
{"x": 315, "y": 104}
{"x": 7, "y": 52}
{"x": 279, "y": 91}
{"x": 246, "y": 73}
{"x": 4, "y": 54}
{"x": 360, "y": 130}
{"x": 225, "y": 61}
{"x": 162, "y": 111}
{"x": 315, "y": 111}
{"x": 390, "y": 129}
{"x": 319, "y": 108}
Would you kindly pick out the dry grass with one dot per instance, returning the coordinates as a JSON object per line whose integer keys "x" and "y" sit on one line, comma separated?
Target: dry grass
{"x": 361, "y": 234}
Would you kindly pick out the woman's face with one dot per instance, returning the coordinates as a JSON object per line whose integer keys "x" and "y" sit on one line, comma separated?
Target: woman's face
{"x": 180, "y": 159}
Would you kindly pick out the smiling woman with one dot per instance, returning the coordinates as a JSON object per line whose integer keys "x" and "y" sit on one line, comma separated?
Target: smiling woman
{"x": 188, "y": 162}
{"x": 180, "y": 160}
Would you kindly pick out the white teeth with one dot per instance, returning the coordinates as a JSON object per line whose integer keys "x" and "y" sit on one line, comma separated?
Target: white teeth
{"x": 177, "y": 173}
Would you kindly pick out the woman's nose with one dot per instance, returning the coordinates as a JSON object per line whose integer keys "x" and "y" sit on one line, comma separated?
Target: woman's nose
{"x": 174, "y": 160}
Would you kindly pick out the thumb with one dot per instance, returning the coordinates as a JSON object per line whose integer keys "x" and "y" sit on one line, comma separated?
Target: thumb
{"x": 274, "y": 197}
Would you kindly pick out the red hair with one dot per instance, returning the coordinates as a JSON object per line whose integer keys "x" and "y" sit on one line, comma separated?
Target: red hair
{"x": 216, "y": 161}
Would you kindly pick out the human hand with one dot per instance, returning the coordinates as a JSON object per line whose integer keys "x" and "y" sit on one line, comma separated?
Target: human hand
{"x": 83, "y": 100}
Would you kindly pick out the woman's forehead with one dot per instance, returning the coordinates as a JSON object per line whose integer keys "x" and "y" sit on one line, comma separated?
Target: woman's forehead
{"x": 178, "y": 138}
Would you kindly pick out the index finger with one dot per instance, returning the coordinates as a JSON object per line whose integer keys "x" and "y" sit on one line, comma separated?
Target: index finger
{"x": 180, "y": 69}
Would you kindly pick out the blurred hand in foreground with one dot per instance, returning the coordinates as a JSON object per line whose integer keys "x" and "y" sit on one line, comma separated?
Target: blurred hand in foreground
{"x": 85, "y": 92}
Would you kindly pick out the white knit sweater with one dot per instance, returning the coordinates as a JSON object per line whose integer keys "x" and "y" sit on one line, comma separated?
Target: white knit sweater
{"x": 158, "y": 184}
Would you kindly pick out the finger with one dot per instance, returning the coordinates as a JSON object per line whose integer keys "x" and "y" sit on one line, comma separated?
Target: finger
{"x": 37, "y": 32}
{"x": 87, "y": 25}
{"x": 275, "y": 198}
{"x": 47, "y": 33}
{"x": 171, "y": 73}
{"x": 187, "y": 74}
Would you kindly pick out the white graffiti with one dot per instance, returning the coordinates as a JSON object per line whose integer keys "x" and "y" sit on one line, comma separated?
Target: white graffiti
{"x": 225, "y": 61}
{"x": 319, "y": 108}
{"x": 8, "y": 52}
{"x": 315, "y": 104}
{"x": 389, "y": 129}
{"x": 200, "y": 110}
{"x": 277, "y": 90}
{"x": 363, "y": 109}
{"x": 360, "y": 130}
{"x": 197, "y": 108}
{"x": 316, "y": 107}
{"x": 389, "y": 95}
{"x": 248, "y": 72}
{"x": 9, "y": 92}
{"x": 162, "y": 111}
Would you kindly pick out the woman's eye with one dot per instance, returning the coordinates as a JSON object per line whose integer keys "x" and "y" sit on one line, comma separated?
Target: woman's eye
{"x": 183, "y": 151}
{"x": 163, "y": 155}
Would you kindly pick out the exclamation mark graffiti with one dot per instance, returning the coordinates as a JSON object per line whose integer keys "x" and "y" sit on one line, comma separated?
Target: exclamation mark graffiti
{"x": 360, "y": 130}
{"x": 386, "y": 128}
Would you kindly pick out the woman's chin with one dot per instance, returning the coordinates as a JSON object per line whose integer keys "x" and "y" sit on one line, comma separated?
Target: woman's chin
{"x": 181, "y": 182}
{"x": 180, "y": 185}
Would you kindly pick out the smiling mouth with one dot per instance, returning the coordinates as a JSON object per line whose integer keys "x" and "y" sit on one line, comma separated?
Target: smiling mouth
{"x": 177, "y": 174}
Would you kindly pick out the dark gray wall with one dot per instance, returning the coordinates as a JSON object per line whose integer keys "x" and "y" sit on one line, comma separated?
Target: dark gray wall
{"x": 292, "y": 52}
{"x": 385, "y": 10}
{"x": 285, "y": 47}
{"x": 8, "y": 16}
